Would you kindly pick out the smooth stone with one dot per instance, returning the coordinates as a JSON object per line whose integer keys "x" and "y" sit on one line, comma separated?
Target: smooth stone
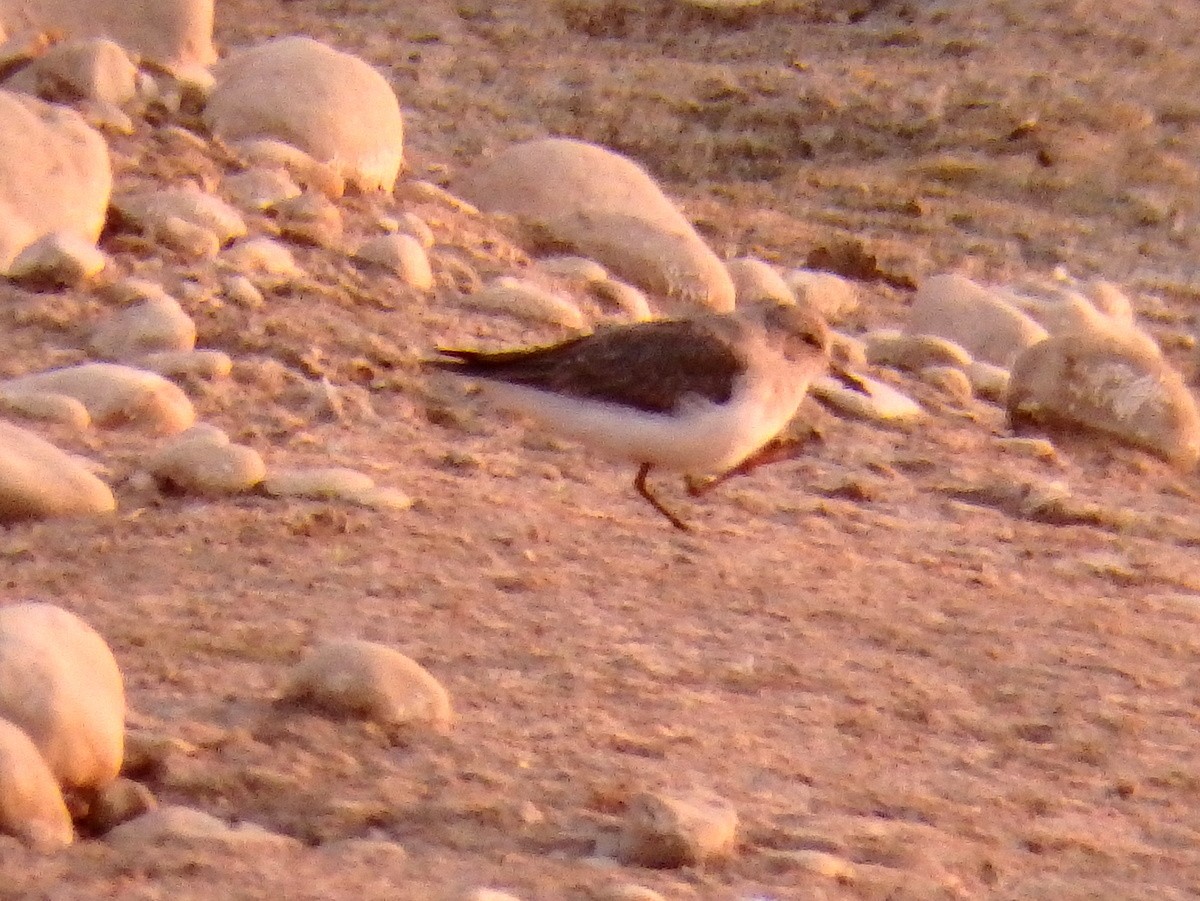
{"x": 1110, "y": 384}
{"x": 198, "y": 364}
{"x": 175, "y": 34}
{"x": 867, "y": 398}
{"x": 322, "y": 483}
{"x": 606, "y": 207}
{"x": 94, "y": 69}
{"x": 308, "y": 172}
{"x": 410, "y": 223}
{"x": 331, "y": 105}
{"x": 159, "y": 212}
{"x": 630, "y": 300}
{"x": 38, "y": 480}
{"x": 525, "y": 300}
{"x": 949, "y": 380}
{"x": 202, "y": 461}
{"x": 59, "y": 259}
{"x": 118, "y": 802}
{"x": 676, "y": 830}
{"x": 155, "y": 324}
{"x": 831, "y": 295}
{"x": 60, "y": 683}
{"x": 311, "y": 219}
{"x": 402, "y": 256}
{"x": 175, "y": 824}
{"x": 31, "y": 805}
{"x": 55, "y": 175}
{"x": 114, "y": 395}
{"x": 577, "y": 270}
{"x": 982, "y": 323}
{"x": 265, "y": 259}
{"x": 988, "y": 381}
{"x": 260, "y": 188}
{"x": 756, "y": 281}
{"x": 46, "y": 407}
{"x": 362, "y": 679}
{"x": 912, "y": 353}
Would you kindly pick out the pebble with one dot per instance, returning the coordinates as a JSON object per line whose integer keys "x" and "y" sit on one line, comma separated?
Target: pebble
{"x": 525, "y": 300}
{"x": 88, "y": 68}
{"x": 630, "y": 300}
{"x": 988, "y": 381}
{"x": 154, "y": 210}
{"x": 628, "y": 891}
{"x": 574, "y": 269}
{"x": 974, "y": 317}
{"x": 310, "y": 219}
{"x": 269, "y": 262}
{"x": 867, "y": 398}
{"x": 202, "y": 461}
{"x": 155, "y": 324}
{"x": 350, "y": 677}
{"x": 912, "y": 353}
{"x": 118, "y": 802}
{"x": 184, "y": 825}
{"x": 831, "y": 295}
{"x": 38, "y": 480}
{"x": 59, "y": 259}
{"x": 410, "y": 223}
{"x": 114, "y": 395}
{"x": 949, "y": 380}
{"x": 308, "y": 172}
{"x": 402, "y": 256}
{"x": 31, "y": 806}
{"x": 197, "y": 364}
{"x": 60, "y": 683}
{"x": 674, "y": 830}
{"x": 756, "y": 281}
{"x": 45, "y": 406}
{"x": 323, "y": 483}
{"x": 260, "y": 189}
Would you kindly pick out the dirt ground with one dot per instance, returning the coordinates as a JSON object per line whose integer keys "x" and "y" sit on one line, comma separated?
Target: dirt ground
{"x": 889, "y": 650}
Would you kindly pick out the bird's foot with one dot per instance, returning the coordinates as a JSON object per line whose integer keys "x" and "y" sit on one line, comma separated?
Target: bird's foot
{"x": 774, "y": 451}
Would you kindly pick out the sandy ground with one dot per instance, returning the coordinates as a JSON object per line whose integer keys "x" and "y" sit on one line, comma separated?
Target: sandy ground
{"x": 882, "y": 651}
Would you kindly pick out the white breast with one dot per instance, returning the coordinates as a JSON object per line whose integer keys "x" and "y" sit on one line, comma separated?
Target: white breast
{"x": 700, "y": 438}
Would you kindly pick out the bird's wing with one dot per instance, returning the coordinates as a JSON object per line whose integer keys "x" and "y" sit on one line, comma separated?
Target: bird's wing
{"x": 651, "y": 366}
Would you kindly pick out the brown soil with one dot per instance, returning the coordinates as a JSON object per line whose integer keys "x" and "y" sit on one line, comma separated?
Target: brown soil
{"x": 888, "y": 650}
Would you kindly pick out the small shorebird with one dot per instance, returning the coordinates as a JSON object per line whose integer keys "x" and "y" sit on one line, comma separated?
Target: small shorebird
{"x": 705, "y": 397}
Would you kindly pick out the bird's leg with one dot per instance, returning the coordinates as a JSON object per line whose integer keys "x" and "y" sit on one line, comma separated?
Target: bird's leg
{"x": 774, "y": 451}
{"x": 640, "y": 484}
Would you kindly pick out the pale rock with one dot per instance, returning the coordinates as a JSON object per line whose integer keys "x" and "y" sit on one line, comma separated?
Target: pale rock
{"x": 628, "y": 891}
{"x": 605, "y": 207}
{"x": 380, "y": 497}
{"x": 525, "y": 300}
{"x": 188, "y": 238}
{"x": 866, "y": 398}
{"x": 46, "y": 407}
{"x": 260, "y": 189}
{"x": 629, "y": 300}
{"x": 84, "y": 69}
{"x": 106, "y": 117}
{"x": 401, "y": 255}
{"x": 912, "y": 353}
{"x": 410, "y": 223}
{"x": 55, "y": 175}
{"x": 427, "y": 192}
{"x": 677, "y": 830}
{"x": 572, "y": 269}
{"x": 1111, "y": 301}
{"x": 329, "y": 104}
{"x": 60, "y": 684}
{"x": 988, "y": 381}
{"x": 310, "y": 219}
{"x": 114, "y": 395}
{"x": 155, "y": 211}
{"x": 1110, "y": 384}
{"x": 1058, "y": 310}
{"x": 950, "y": 380}
{"x": 155, "y": 324}
{"x": 242, "y": 291}
{"x": 31, "y": 805}
{"x": 202, "y": 461}
{"x": 39, "y": 480}
{"x": 831, "y": 295}
{"x": 323, "y": 483}
{"x": 350, "y": 677}
{"x": 756, "y": 281}
{"x": 308, "y": 172}
{"x": 176, "y": 34}
{"x": 986, "y": 326}
{"x": 823, "y": 864}
{"x": 176, "y": 825}
{"x": 1037, "y": 448}
{"x": 491, "y": 894}
{"x": 184, "y": 364}
{"x": 59, "y": 259}
{"x": 849, "y": 351}
{"x": 266, "y": 261}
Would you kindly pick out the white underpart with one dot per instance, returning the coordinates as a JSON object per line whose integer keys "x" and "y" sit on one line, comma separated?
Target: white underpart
{"x": 699, "y": 438}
